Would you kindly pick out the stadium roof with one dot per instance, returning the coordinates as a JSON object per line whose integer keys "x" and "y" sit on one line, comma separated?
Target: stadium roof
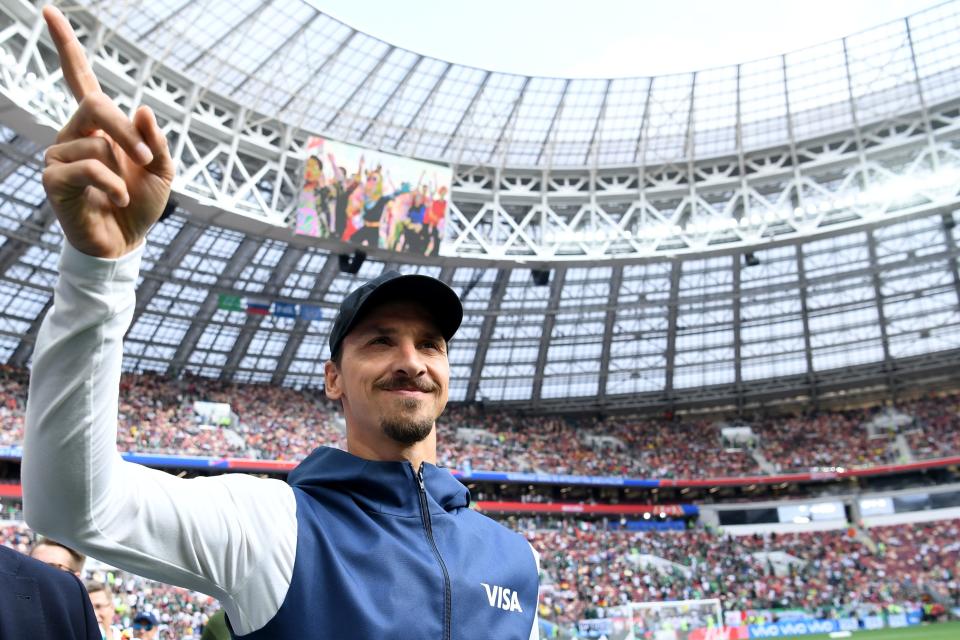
{"x": 856, "y": 148}
{"x": 289, "y": 60}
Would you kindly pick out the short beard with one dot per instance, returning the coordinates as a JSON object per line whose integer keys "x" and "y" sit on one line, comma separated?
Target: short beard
{"x": 407, "y": 432}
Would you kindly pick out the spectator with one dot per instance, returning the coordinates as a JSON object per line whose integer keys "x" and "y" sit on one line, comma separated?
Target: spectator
{"x": 105, "y": 609}
{"x": 145, "y": 626}
{"x": 59, "y": 556}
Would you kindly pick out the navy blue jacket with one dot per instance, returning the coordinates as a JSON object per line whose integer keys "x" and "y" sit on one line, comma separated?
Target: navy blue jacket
{"x": 386, "y": 551}
{"x": 40, "y": 602}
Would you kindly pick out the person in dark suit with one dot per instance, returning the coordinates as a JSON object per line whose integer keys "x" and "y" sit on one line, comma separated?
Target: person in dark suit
{"x": 39, "y": 601}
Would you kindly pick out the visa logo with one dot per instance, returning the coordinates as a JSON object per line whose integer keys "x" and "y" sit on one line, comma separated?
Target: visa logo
{"x": 501, "y": 597}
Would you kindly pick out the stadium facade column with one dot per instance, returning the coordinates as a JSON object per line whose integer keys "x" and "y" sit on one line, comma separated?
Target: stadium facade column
{"x": 796, "y": 196}
{"x": 673, "y": 308}
{"x": 549, "y": 320}
{"x": 546, "y": 149}
{"x": 498, "y": 151}
{"x": 609, "y": 323}
{"x": 390, "y": 98}
{"x": 616, "y": 275}
{"x": 640, "y": 151}
{"x": 173, "y": 254}
{"x": 949, "y": 224}
{"x": 736, "y": 266}
{"x": 312, "y": 78}
{"x": 948, "y": 219}
{"x": 239, "y": 29}
{"x": 360, "y": 89}
{"x": 225, "y": 283}
{"x": 797, "y": 200}
{"x": 924, "y": 110}
{"x": 446, "y": 275}
{"x": 888, "y": 365}
{"x": 278, "y": 279}
{"x": 18, "y": 243}
{"x": 19, "y": 151}
{"x": 805, "y": 315}
{"x": 306, "y": 24}
{"x": 857, "y": 131}
{"x": 467, "y": 114}
{"x": 739, "y": 213}
{"x": 423, "y": 105}
{"x": 21, "y": 355}
{"x": 593, "y": 148}
{"x": 690, "y": 149}
{"x": 27, "y": 235}
{"x": 486, "y": 332}
{"x": 175, "y": 12}
{"x": 328, "y": 272}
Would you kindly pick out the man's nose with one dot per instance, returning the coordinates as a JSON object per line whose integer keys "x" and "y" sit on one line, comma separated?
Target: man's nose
{"x": 409, "y": 360}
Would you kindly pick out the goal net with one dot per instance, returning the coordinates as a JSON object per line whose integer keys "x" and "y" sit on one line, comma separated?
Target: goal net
{"x": 675, "y": 620}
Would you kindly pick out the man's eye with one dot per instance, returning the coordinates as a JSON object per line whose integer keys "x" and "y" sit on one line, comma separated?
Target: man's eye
{"x": 380, "y": 340}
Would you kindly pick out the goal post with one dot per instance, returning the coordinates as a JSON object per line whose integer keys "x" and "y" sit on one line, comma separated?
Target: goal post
{"x": 668, "y": 620}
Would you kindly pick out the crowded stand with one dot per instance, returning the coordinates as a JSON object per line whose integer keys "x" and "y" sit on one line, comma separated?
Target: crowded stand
{"x": 925, "y": 556}
{"x": 589, "y": 569}
{"x": 824, "y": 440}
{"x": 274, "y": 423}
{"x": 936, "y": 430}
{"x": 612, "y": 447}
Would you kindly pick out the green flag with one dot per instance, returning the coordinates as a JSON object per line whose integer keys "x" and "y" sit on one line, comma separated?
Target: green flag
{"x": 229, "y": 303}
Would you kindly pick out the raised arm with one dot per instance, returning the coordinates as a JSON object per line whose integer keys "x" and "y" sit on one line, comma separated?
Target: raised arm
{"x": 338, "y": 175}
{"x": 234, "y": 537}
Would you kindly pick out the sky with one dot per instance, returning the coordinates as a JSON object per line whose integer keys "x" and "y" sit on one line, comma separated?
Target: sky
{"x": 611, "y": 38}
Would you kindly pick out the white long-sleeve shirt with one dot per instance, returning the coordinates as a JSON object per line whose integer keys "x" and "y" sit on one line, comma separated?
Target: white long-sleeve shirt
{"x": 232, "y": 536}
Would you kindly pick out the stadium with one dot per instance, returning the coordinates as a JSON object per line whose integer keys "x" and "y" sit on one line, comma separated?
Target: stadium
{"x": 709, "y": 363}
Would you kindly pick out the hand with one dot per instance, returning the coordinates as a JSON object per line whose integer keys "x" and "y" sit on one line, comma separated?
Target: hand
{"x": 107, "y": 177}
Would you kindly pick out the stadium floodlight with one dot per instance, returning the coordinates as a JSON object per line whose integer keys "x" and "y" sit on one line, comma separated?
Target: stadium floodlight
{"x": 541, "y": 277}
{"x": 351, "y": 263}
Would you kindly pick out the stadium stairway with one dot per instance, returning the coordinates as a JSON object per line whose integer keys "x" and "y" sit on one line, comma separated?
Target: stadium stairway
{"x": 648, "y": 561}
{"x": 864, "y": 538}
{"x": 762, "y": 461}
{"x": 903, "y": 448}
{"x": 937, "y": 596}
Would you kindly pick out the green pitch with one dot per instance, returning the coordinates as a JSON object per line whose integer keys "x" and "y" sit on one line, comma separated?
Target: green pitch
{"x": 944, "y": 631}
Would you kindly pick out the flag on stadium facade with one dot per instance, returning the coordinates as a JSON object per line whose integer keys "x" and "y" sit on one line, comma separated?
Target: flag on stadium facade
{"x": 285, "y": 309}
{"x": 310, "y": 313}
{"x": 258, "y": 307}
{"x": 229, "y": 302}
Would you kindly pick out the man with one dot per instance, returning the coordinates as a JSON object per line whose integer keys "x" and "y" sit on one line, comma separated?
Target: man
{"x": 58, "y": 556}
{"x": 145, "y": 626}
{"x": 40, "y": 602}
{"x": 105, "y": 609}
{"x": 375, "y": 543}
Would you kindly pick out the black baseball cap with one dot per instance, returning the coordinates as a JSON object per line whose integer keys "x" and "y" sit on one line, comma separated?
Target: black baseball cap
{"x": 436, "y": 297}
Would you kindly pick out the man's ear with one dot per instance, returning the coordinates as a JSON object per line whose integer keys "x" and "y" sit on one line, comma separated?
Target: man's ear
{"x": 331, "y": 380}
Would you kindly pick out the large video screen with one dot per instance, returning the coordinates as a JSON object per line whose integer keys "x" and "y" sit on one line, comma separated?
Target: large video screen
{"x": 373, "y": 199}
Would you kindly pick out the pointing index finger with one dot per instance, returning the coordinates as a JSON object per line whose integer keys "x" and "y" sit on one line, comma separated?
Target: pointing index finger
{"x": 73, "y": 59}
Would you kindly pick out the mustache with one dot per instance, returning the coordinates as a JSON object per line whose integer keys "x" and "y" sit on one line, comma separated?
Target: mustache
{"x": 397, "y": 383}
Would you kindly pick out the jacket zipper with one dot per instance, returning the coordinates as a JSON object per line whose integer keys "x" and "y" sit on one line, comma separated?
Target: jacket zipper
{"x": 428, "y": 527}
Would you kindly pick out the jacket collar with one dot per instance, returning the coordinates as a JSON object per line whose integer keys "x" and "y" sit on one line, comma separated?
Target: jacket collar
{"x": 388, "y": 487}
